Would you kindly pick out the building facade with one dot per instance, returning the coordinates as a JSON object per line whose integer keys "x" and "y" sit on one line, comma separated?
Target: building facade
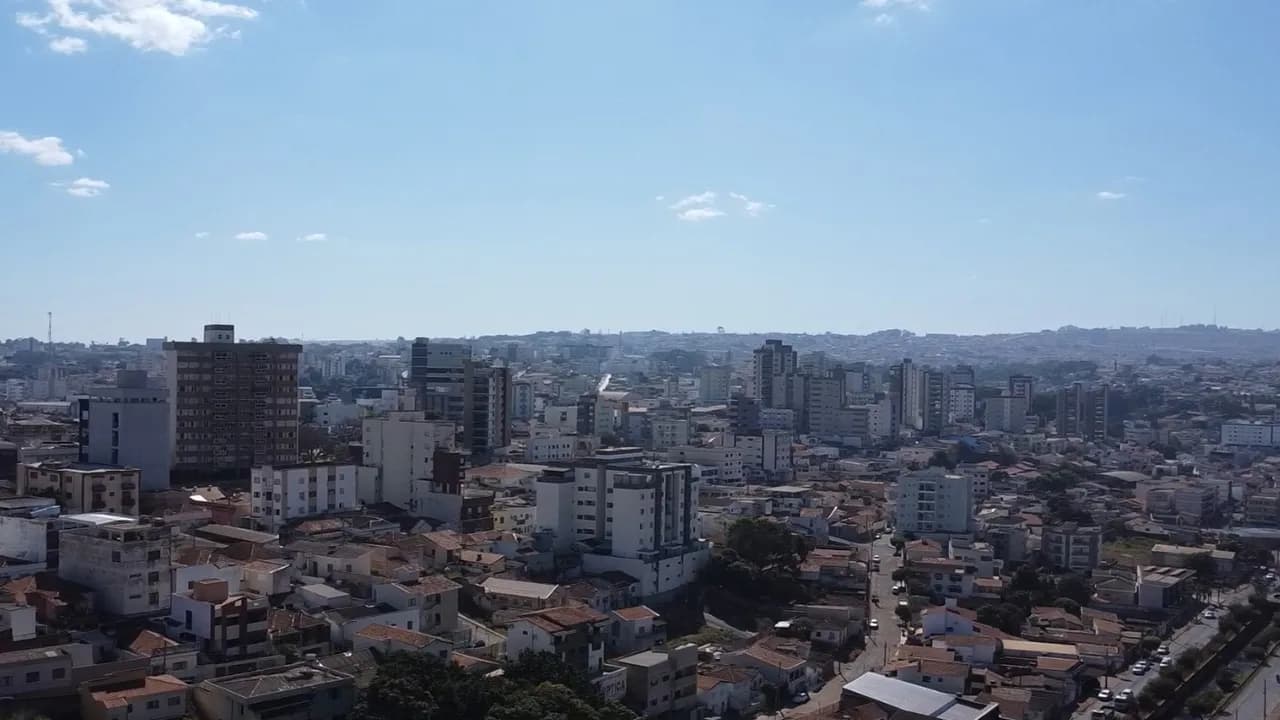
{"x": 283, "y": 494}
{"x": 933, "y": 501}
{"x": 126, "y": 565}
{"x": 128, "y": 425}
{"x": 83, "y": 487}
{"x": 233, "y": 405}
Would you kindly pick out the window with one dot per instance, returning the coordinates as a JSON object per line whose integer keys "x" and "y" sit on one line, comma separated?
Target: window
{"x": 153, "y": 599}
{"x": 59, "y": 673}
{"x": 33, "y": 676}
{"x": 115, "y": 556}
{"x": 180, "y": 665}
{"x": 153, "y": 704}
{"x": 175, "y": 701}
{"x": 153, "y": 577}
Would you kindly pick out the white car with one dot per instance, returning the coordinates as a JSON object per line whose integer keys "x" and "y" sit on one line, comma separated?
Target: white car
{"x": 1104, "y": 695}
{"x": 1163, "y": 649}
{"x": 873, "y": 623}
{"x": 875, "y": 558}
{"x": 1139, "y": 668}
{"x": 1209, "y": 614}
{"x": 1125, "y": 694}
{"x": 1271, "y": 577}
{"x": 1167, "y": 662}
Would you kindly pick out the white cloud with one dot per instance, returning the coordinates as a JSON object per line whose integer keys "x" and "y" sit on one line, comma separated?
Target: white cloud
{"x": 67, "y": 45}
{"x": 170, "y": 26}
{"x": 251, "y": 235}
{"x": 704, "y": 198}
{"x": 752, "y": 208}
{"x": 883, "y": 19}
{"x": 1108, "y": 195}
{"x": 202, "y": 235}
{"x": 660, "y": 198}
{"x": 45, "y": 150}
{"x": 984, "y": 221}
{"x": 313, "y": 237}
{"x": 84, "y": 187}
{"x": 698, "y": 214}
{"x": 921, "y": 5}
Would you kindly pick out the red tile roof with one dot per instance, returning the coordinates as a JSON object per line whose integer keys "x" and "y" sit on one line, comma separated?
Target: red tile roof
{"x": 639, "y": 612}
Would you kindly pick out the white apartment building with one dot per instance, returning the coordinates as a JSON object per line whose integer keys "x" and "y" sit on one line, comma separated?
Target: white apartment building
{"x": 550, "y": 448}
{"x": 768, "y": 452}
{"x": 714, "y": 384}
{"x": 127, "y": 425}
{"x": 400, "y": 447}
{"x": 1006, "y": 414}
{"x": 626, "y": 514}
{"x": 126, "y": 565}
{"x": 1251, "y": 434}
{"x": 283, "y": 494}
{"x": 669, "y": 433}
{"x": 725, "y": 463}
{"x": 83, "y": 487}
{"x": 560, "y": 417}
{"x": 933, "y": 501}
{"x": 980, "y": 476}
{"x": 960, "y": 403}
{"x": 332, "y": 414}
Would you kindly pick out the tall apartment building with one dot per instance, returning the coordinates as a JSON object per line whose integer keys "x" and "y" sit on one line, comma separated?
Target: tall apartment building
{"x": 906, "y": 397}
{"x": 83, "y": 487}
{"x": 400, "y": 447}
{"x": 1022, "y": 386}
{"x": 824, "y": 398}
{"x": 934, "y": 399}
{"x": 713, "y": 384}
{"x": 232, "y": 405}
{"x": 452, "y": 386}
{"x": 126, "y": 565}
{"x": 1243, "y": 433}
{"x": 772, "y": 367}
{"x": 1084, "y": 411}
{"x": 961, "y": 402}
{"x": 285, "y": 493}
{"x": 1072, "y": 546}
{"x": 933, "y": 501}
{"x": 1006, "y": 413}
{"x": 627, "y": 514}
{"x": 768, "y": 454}
{"x": 128, "y": 425}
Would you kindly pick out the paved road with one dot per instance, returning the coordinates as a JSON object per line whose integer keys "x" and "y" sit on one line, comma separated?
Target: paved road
{"x": 1196, "y": 633}
{"x": 878, "y": 642}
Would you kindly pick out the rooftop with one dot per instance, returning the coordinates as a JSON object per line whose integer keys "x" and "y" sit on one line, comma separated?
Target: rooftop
{"x": 519, "y": 588}
{"x": 915, "y": 699}
{"x": 277, "y": 680}
{"x": 648, "y": 658}
{"x": 153, "y": 685}
{"x": 236, "y": 534}
{"x": 400, "y": 635}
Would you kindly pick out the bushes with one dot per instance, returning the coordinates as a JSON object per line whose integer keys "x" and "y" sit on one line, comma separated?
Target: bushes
{"x": 1204, "y": 703}
{"x": 1225, "y": 679}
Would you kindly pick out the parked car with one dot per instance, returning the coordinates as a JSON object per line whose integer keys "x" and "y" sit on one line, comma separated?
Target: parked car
{"x": 1140, "y": 668}
{"x": 1104, "y": 695}
{"x": 874, "y": 624}
{"x": 1163, "y": 649}
{"x": 1125, "y": 694}
{"x": 1166, "y": 662}
{"x": 1209, "y": 614}
{"x": 800, "y": 698}
{"x": 1099, "y": 714}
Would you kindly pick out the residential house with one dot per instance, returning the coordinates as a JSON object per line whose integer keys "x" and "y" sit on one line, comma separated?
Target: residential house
{"x": 519, "y": 595}
{"x": 635, "y": 629}
{"x": 435, "y": 597}
{"x": 872, "y": 695}
{"x": 302, "y": 690}
{"x": 728, "y": 688}
{"x": 576, "y": 635}
{"x": 388, "y": 639}
{"x": 223, "y": 625}
{"x": 155, "y": 697}
{"x": 780, "y": 669}
{"x": 662, "y": 684}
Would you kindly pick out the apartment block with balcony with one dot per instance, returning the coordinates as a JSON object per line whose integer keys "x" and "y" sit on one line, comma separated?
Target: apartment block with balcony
{"x": 934, "y": 501}
{"x": 225, "y": 626}
{"x": 1263, "y": 508}
{"x": 287, "y": 493}
{"x": 663, "y": 684}
{"x": 83, "y": 487}
{"x": 233, "y": 405}
{"x": 1072, "y": 546}
{"x": 126, "y": 565}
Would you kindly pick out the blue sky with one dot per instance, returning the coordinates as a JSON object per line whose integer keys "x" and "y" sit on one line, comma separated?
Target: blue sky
{"x": 335, "y": 169}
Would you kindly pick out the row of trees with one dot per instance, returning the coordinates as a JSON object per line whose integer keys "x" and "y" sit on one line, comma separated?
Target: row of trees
{"x": 534, "y": 687}
{"x": 761, "y": 559}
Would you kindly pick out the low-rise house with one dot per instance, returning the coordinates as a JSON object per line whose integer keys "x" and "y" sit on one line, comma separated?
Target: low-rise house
{"x": 326, "y": 560}
{"x": 728, "y": 688}
{"x": 345, "y": 622}
{"x": 299, "y": 631}
{"x": 267, "y": 577}
{"x": 944, "y": 675}
{"x": 17, "y": 621}
{"x": 945, "y": 577}
{"x": 779, "y": 669}
{"x": 832, "y": 567}
{"x": 1163, "y": 587}
{"x": 303, "y": 690}
{"x": 435, "y": 597}
{"x": 388, "y": 639}
{"x": 1181, "y": 556}
{"x": 222, "y": 625}
{"x": 168, "y": 657}
{"x": 576, "y": 635}
{"x": 977, "y": 650}
{"x": 519, "y": 595}
{"x": 156, "y": 697}
{"x": 635, "y": 629}
{"x": 43, "y": 670}
{"x": 662, "y": 684}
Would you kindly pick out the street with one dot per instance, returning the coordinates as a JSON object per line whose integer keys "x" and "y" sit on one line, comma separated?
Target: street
{"x": 880, "y": 643}
{"x": 1196, "y": 633}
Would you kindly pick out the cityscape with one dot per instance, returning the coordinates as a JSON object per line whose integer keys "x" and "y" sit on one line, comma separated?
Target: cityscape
{"x": 661, "y": 360}
{"x": 666, "y": 526}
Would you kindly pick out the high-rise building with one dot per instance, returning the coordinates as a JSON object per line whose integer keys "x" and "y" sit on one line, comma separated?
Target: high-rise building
{"x": 933, "y": 501}
{"x": 713, "y": 384}
{"x": 1023, "y": 386}
{"x": 452, "y": 386}
{"x": 772, "y": 366}
{"x": 905, "y": 397}
{"x": 125, "y": 565}
{"x": 401, "y": 447}
{"x": 962, "y": 375}
{"x": 823, "y": 403}
{"x": 232, "y": 406}
{"x": 128, "y": 425}
{"x": 934, "y": 399}
{"x": 961, "y": 400}
{"x": 1084, "y": 411}
{"x": 1006, "y": 414}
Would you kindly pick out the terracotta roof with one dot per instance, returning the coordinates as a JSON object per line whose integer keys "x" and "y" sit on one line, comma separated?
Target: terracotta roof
{"x": 731, "y": 673}
{"x": 562, "y": 619}
{"x": 471, "y": 662}
{"x": 773, "y": 658}
{"x": 943, "y": 668}
{"x": 432, "y": 585}
{"x": 1055, "y": 664}
{"x": 639, "y": 612}
{"x": 153, "y": 685}
{"x": 400, "y": 635}
{"x": 706, "y": 682}
{"x": 968, "y": 640}
{"x": 445, "y": 539}
{"x": 149, "y": 643}
{"x": 922, "y": 652}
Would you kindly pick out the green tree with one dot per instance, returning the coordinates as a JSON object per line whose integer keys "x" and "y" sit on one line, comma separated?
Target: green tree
{"x": 1225, "y": 679}
{"x": 1189, "y": 660}
{"x": 1204, "y": 703}
{"x": 1162, "y": 686}
{"x": 1068, "y": 604}
{"x": 1005, "y": 616}
{"x": 903, "y": 612}
{"x": 766, "y": 544}
{"x": 536, "y": 668}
